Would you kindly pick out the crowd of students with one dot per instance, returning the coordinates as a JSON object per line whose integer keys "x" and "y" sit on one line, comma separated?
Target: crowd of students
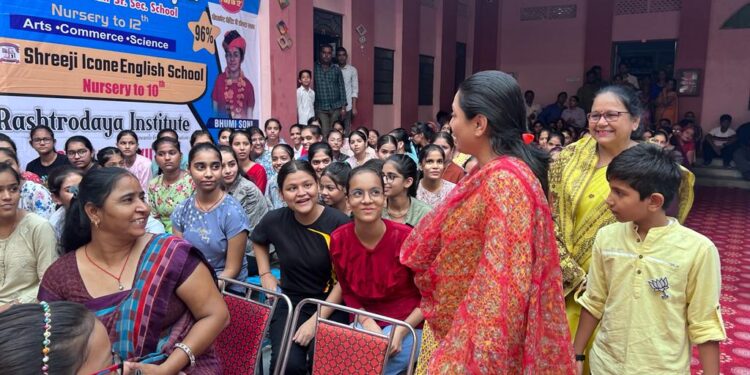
{"x": 481, "y": 254}
{"x": 563, "y": 122}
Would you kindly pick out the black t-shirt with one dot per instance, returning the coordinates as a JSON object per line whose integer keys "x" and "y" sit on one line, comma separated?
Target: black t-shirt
{"x": 35, "y": 166}
{"x": 306, "y": 269}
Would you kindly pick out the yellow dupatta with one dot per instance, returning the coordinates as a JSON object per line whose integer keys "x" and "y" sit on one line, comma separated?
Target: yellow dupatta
{"x": 569, "y": 178}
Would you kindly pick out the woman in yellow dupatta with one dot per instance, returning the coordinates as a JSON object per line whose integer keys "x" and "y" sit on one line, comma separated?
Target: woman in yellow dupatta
{"x": 578, "y": 186}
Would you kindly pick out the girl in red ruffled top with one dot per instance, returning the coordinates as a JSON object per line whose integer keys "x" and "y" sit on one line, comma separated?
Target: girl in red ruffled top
{"x": 365, "y": 255}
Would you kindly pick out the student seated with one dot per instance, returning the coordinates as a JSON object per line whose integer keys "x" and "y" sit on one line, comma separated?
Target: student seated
{"x": 653, "y": 284}
{"x": 55, "y": 338}
{"x": 365, "y": 256}
{"x": 720, "y": 142}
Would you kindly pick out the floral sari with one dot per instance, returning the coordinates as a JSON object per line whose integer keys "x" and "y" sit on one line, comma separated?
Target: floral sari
{"x": 487, "y": 268}
{"x": 147, "y": 320}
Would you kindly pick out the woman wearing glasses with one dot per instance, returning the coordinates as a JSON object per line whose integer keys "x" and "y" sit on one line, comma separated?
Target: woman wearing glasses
{"x": 80, "y": 152}
{"x": 578, "y": 184}
{"x": 43, "y": 142}
{"x": 365, "y": 257}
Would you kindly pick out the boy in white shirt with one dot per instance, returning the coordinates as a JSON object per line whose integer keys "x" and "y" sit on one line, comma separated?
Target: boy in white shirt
{"x": 653, "y": 284}
{"x": 305, "y": 97}
{"x": 720, "y": 141}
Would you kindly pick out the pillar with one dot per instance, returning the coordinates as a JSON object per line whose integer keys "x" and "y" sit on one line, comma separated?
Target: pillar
{"x": 361, "y": 57}
{"x": 448, "y": 23}
{"x": 406, "y": 85}
{"x": 598, "y": 45}
{"x": 486, "y": 41}
{"x": 692, "y": 48}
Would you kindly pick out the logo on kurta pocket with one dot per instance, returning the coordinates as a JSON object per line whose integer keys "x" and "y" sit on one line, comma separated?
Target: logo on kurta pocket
{"x": 660, "y": 285}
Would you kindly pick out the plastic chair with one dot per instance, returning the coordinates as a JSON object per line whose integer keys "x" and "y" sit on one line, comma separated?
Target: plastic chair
{"x": 238, "y": 346}
{"x": 345, "y": 350}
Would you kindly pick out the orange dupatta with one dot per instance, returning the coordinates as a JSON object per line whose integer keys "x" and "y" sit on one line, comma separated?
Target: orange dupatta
{"x": 487, "y": 266}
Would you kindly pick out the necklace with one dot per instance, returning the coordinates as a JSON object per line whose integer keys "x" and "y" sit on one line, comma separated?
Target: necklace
{"x": 200, "y": 206}
{"x": 399, "y": 215}
{"x": 119, "y": 283}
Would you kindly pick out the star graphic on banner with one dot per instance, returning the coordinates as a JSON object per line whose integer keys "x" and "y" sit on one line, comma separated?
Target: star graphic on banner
{"x": 204, "y": 34}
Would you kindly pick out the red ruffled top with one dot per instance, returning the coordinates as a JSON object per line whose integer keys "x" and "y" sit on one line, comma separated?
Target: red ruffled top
{"x": 375, "y": 279}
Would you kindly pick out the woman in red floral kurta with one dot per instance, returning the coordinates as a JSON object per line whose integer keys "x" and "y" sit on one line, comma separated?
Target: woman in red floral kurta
{"x": 485, "y": 261}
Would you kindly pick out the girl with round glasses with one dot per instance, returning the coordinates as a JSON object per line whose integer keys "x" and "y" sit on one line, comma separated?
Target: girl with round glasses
{"x": 365, "y": 255}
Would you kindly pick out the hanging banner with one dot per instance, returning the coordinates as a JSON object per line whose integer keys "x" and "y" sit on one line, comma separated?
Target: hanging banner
{"x": 96, "y": 67}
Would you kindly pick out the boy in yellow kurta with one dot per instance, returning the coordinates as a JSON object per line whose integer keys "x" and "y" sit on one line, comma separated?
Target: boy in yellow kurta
{"x": 653, "y": 284}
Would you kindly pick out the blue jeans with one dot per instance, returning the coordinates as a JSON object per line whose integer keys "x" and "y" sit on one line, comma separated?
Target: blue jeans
{"x": 400, "y": 362}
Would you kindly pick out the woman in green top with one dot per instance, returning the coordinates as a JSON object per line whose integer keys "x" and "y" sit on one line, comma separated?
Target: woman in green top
{"x": 172, "y": 186}
{"x": 401, "y": 178}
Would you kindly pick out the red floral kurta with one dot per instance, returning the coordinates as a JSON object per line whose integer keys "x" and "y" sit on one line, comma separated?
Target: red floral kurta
{"x": 487, "y": 266}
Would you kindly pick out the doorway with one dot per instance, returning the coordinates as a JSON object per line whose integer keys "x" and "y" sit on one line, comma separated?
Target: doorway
{"x": 327, "y": 29}
{"x": 645, "y": 58}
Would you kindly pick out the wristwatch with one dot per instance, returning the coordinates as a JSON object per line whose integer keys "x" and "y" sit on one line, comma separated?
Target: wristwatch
{"x": 580, "y": 357}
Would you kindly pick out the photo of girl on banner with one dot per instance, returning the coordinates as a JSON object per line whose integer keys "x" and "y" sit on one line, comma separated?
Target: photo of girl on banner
{"x": 233, "y": 94}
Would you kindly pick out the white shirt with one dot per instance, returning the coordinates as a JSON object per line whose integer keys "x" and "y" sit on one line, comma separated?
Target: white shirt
{"x": 351, "y": 84}
{"x": 533, "y": 108}
{"x": 305, "y": 104}
{"x": 716, "y": 132}
{"x": 574, "y": 116}
{"x": 633, "y": 80}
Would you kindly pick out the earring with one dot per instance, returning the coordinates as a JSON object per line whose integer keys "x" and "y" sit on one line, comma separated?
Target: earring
{"x": 96, "y": 224}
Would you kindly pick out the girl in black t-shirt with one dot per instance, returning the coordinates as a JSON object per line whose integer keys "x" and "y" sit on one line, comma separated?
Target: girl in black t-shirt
{"x": 301, "y": 234}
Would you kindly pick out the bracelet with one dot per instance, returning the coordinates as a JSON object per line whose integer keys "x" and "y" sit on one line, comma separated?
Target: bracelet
{"x": 187, "y": 351}
{"x": 580, "y": 357}
{"x": 264, "y": 273}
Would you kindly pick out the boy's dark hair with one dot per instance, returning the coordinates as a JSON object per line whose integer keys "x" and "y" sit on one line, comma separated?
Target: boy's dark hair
{"x": 303, "y": 71}
{"x": 648, "y": 169}
{"x": 725, "y": 117}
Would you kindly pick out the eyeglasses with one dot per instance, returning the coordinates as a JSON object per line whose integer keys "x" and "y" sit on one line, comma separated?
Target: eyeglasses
{"x": 610, "y": 116}
{"x": 42, "y": 140}
{"x": 79, "y": 153}
{"x": 390, "y": 177}
{"x": 359, "y": 194}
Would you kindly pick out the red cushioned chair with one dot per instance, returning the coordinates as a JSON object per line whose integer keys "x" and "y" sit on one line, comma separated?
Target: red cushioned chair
{"x": 345, "y": 350}
{"x": 239, "y": 345}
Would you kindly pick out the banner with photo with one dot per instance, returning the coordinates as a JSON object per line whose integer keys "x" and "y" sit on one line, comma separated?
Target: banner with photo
{"x": 97, "y": 67}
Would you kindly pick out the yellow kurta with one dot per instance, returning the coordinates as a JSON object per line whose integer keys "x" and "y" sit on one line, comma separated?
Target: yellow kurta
{"x": 578, "y": 216}
{"x": 577, "y": 194}
{"x": 654, "y": 296}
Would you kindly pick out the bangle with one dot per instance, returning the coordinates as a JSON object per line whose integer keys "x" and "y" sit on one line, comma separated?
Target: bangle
{"x": 187, "y": 351}
{"x": 580, "y": 357}
{"x": 264, "y": 273}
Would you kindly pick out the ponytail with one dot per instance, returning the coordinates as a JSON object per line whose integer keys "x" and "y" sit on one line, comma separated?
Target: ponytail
{"x": 95, "y": 188}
